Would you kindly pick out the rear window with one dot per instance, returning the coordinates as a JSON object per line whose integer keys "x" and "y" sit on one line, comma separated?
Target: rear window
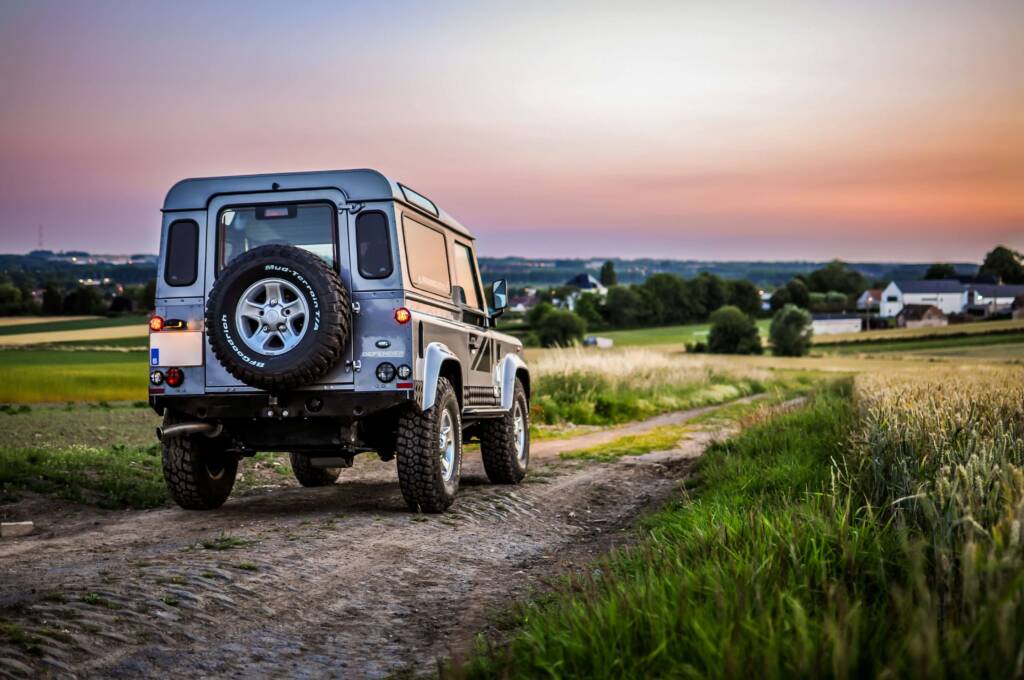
{"x": 373, "y": 245}
{"x": 309, "y": 226}
{"x": 182, "y": 253}
{"x": 427, "y": 258}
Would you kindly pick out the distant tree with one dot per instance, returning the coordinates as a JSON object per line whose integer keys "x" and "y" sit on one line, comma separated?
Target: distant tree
{"x": 710, "y": 291}
{"x": 120, "y": 304}
{"x": 780, "y": 298}
{"x": 795, "y": 292}
{"x": 733, "y": 332}
{"x": 52, "y": 300}
{"x": 1004, "y": 263}
{"x": 588, "y": 307}
{"x": 148, "y": 299}
{"x": 940, "y": 270}
{"x": 837, "y": 275}
{"x": 537, "y": 313}
{"x": 560, "y": 328}
{"x": 623, "y": 307}
{"x": 743, "y": 294}
{"x": 608, "y": 276}
{"x": 791, "y": 332}
{"x": 11, "y": 301}
{"x": 667, "y": 300}
{"x": 84, "y": 300}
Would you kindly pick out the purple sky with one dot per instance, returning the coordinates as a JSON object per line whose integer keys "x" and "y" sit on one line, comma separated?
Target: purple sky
{"x": 869, "y": 130}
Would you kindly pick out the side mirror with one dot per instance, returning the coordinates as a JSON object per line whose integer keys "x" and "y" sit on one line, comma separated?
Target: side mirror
{"x": 499, "y": 297}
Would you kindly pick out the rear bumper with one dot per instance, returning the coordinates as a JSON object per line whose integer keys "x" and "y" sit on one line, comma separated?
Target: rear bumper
{"x": 298, "y": 406}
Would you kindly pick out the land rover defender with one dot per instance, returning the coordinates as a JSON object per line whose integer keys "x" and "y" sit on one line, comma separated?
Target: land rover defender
{"x": 326, "y": 314}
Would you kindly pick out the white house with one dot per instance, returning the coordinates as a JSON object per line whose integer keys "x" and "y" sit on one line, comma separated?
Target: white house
{"x": 869, "y": 300}
{"x": 946, "y": 294}
{"x": 830, "y": 324}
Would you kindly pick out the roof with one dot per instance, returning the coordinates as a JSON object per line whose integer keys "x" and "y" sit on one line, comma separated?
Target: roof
{"x": 584, "y": 281}
{"x": 357, "y": 185}
{"x": 930, "y": 286}
{"x": 989, "y": 290}
{"x": 918, "y": 312}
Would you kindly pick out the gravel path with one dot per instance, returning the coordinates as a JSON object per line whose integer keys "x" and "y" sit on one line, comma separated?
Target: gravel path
{"x": 337, "y": 582}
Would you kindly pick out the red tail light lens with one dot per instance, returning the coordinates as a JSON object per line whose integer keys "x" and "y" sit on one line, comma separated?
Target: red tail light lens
{"x": 175, "y": 376}
{"x": 156, "y": 323}
{"x": 403, "y": 315}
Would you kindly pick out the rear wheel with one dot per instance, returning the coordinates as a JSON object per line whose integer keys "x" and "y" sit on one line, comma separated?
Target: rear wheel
{"x": 198, "y": 471}
{"x": 429, "y": 452}
{"x": 312, "y": 476}
{"x": 505, "y": 441}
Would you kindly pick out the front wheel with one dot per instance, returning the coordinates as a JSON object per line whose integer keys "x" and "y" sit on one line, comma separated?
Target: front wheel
{"x": 198, "y": 472}
{"x": 505, "y": 441}
{"x": 429, "y": 452}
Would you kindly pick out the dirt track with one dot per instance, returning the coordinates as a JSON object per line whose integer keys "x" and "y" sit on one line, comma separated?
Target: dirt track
{"x": 340, "y": 581}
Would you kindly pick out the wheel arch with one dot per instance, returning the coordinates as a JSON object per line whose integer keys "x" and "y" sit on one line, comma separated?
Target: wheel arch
{"x": 439, "y": 362}
{"x": 512, "y": 367}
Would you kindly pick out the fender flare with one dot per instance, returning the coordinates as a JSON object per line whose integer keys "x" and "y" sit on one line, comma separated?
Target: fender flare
{"x": 507, "y": 378}
{"x": 434, "y": 357}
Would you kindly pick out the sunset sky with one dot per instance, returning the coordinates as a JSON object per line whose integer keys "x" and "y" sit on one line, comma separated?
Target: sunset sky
{"x": 718, "y": 130}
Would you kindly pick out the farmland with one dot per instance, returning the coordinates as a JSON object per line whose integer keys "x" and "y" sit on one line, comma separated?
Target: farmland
{"x": 812, "y": 513}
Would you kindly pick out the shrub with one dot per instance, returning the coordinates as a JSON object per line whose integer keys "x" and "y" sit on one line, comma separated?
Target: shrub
{"x": 560, "y": 328}
{"x": 733, "y": 332}
{"x": 791, "y": 332}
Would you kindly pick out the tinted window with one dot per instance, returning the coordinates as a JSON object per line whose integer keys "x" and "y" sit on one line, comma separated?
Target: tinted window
{"x": 465, "y": 274}
{"x": 373, "y": 246}
{"x": 426, "y": 257}
{"x": 182, "y": 253}
{"x": 309, "y": 226}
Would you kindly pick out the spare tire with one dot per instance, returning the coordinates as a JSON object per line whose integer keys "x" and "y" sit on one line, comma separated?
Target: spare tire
{"x": 278, "y": 317}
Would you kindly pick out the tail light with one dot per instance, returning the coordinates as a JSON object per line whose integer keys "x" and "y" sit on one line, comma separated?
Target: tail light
{"x": 403, "y": 315}
{"x": 156, "y": 323}
{"x": 174, "y": 377}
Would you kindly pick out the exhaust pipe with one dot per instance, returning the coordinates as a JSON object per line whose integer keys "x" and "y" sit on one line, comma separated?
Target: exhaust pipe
{"x": 183, "y": 429}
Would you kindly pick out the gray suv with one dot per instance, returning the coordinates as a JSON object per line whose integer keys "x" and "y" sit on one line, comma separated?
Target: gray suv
{"x": 326, "y": 314}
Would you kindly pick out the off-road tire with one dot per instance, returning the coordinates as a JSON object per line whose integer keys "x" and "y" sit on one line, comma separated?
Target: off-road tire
{"x": 310, "y": 476}
{"x": 191, "y": 464}
{"x": 419, "y": 463}
{"x": 329, "y": 325}
{"x": 498, "y": 442}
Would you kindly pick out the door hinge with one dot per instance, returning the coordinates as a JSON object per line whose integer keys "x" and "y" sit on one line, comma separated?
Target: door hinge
{"x": 356, "y": 308}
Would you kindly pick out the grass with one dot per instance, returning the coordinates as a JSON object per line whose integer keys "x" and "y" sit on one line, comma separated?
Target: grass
{"x": 224, "y": 542}
{"x": 954, "y": 330}
{"x": 583, "y": 387}
{"x": 658, "y": 439}
{"x": 665, "y": 335}
{"x": 48, "y": 376}
{"x": 876, "y": 532}
{"x": 72, "y": 324}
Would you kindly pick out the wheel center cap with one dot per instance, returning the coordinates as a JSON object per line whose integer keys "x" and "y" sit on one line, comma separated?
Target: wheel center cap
{"x": 271, "y": 316}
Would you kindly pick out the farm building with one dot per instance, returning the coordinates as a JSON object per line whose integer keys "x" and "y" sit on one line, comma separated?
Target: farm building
{"x": 830, "y": 324}
{"x": 985, "y": 299}
{"x": 946, "y": 294}
{"x": 870, "y": 300}
{"x": 921, "y": 316}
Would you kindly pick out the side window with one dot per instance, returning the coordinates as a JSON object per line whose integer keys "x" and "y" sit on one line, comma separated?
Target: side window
{"x": 373, "y": 245}
{"x": 427, "y": 258}
{"x": 465, "y": 274}
{"x": 182, "y": 261}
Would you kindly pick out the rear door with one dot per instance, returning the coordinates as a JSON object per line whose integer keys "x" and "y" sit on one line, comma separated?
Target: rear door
{"x": 317, "y": 221}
